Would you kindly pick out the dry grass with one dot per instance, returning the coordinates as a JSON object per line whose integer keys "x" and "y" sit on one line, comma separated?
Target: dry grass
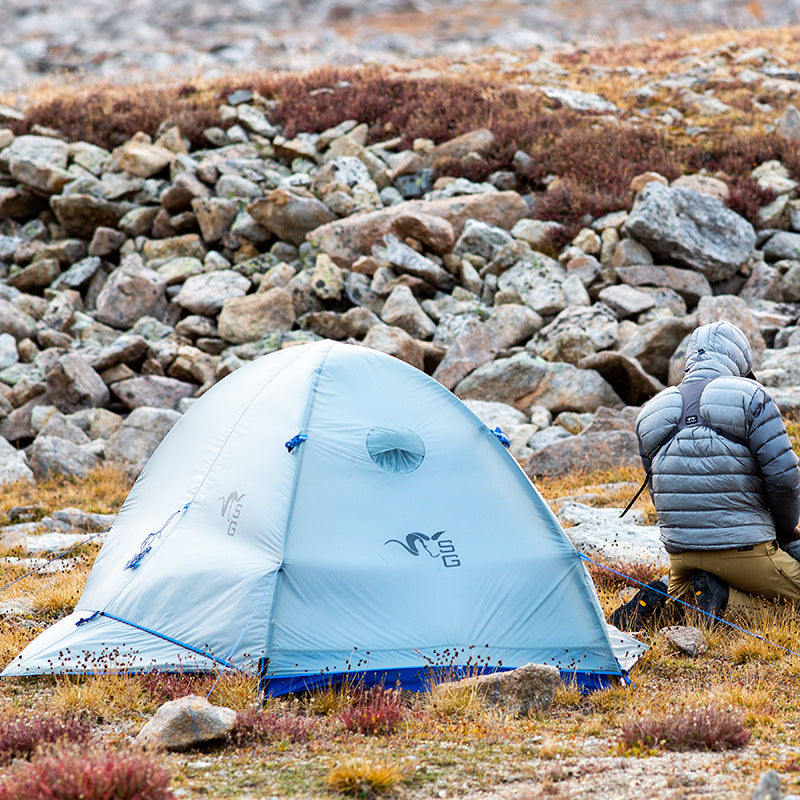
{"x": 101, "y": 492}
{"x": 363, "y": 778}
{"x": 57, "y": 595}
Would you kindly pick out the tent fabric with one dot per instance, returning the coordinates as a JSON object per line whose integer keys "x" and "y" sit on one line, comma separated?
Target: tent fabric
{"x": 398, "y": 536}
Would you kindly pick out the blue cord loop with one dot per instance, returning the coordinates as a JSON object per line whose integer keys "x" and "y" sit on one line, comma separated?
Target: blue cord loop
{"x": 84, "y": 620}
{"x": 502, "y": 437}
{"x": 295, "y": 441}
{"x": 149, "y": 540}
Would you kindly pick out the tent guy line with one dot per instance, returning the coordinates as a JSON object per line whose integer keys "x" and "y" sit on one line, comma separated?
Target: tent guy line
{"x": 689, "y": 605}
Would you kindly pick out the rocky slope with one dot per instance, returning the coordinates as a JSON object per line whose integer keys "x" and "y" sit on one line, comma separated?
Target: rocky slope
{"x": 136, "y": 278}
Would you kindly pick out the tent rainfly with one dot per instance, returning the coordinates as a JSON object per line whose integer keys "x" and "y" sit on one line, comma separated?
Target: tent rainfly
{"x": 329, "y": 511}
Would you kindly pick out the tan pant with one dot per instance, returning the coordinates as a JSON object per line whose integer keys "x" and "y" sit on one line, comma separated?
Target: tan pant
{"x": 765, "y": 571}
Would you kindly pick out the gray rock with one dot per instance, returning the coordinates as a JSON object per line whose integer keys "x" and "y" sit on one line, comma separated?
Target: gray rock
{"x": 580, "y": 101}
{"x": 782, "y": 245}
{"x": 405, "y": 259}
{"x": 126, "y": 349}
{"x": 35, "y": 276}
{"x": 596, "y": 322}
{"x": 354, "y": 323}
{"x": 402, "y": 310}
{"x": 764, "y": 283}
{"x": 290, "y": 214}
{"x": 79, "y": 274}
{"x": 204, "y": 294}
{"x": 131, "y": 291}
{"x": 246, "y": 319}
{"x": 531, "y": 687}
{"x": 156, "y": 391}
{"x": 137, "y": 438}
{"x": 16, "y": 322}
{"x": 493, "y": 414}
{"x": 51, "y": 456}
{"x": 537, "y": 283}
{"x": 587, "y": 452}
{"x": 614, "y": 419}
{"x": 690, "y": 285}
{"x": 654, "y": 343}
{"x": 692, "y": 229}
{"x": 542, "y": 439}
{"x": 327, "y": 281}
{"x": 513, "y": 324}
{"x": 72, "y": 384}
{"x": 474, "y": 346}
{"x": 537, "y": 233}
{"x": 780, "y": 367}
{"x": 345, "y": 240}
{"x": 629, "y": 251}
{"x": 625, "y": 375}
{"x": 62, "y": 427}
{"x": 685, "y": 638}
{"x": 9, "y": 355}
{"x": 625, "y": 301}
{"x": 81, "y": 214}
{"x": 185, "y": 723}
{"x": 769, "y": 787}
{"x": 13, "y": 465}
{"x": 396, "y": 342}
{"x": 481, "y": 239}
{"x": 215, "y": 216}
{"x": 573, "y": 422}
{"x": 600, "y": 533}
{"x": 512, "y": 381}
{"x": 789, "y": 124}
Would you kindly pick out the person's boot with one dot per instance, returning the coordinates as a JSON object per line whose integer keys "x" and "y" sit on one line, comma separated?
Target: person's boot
{"x": 644, "y": 605}
{"x": 710, "y": 593}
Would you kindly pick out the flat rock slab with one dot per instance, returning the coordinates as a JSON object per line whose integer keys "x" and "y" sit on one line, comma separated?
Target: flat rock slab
{"x": 600, "y": 533}
{"x": 519, "y": 691}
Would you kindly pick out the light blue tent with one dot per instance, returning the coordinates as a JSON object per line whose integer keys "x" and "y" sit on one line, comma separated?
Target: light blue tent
{"x": 330, "y": 510}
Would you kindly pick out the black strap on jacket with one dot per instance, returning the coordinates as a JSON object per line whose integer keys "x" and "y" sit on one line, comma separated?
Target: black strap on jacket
{"x": 690, "y": 417}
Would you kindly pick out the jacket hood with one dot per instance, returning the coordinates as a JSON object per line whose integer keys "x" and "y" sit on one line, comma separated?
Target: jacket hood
{"x": 719, "y": 348}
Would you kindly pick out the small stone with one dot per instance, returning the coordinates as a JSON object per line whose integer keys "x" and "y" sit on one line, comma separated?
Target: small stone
{"x": 687, "y": 639}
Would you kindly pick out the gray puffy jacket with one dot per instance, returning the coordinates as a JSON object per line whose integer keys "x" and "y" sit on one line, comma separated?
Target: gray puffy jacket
{"x": 713, "y": 492}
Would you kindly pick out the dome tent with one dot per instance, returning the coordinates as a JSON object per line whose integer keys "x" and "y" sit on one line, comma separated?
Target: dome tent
{"x": 328, "y": 510}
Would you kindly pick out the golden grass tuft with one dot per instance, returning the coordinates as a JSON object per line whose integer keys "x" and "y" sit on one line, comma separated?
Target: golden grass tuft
{"x": 101, "y": 696}
{"x": 13, "y": 638}
{"x": 454, "y": 700}
{"x": 360, "y": 777}
{"x": 331, "y": 700}
{"x": 58, "y": 594}
{"x": 236, "y": 690}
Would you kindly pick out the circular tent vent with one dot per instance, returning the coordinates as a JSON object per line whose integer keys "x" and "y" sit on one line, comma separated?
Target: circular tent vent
{"x": 395, "y": 449}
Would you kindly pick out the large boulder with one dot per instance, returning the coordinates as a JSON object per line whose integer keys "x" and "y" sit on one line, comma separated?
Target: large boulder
{"x": 54, "y": 455}
{"x": 691, "y": 229}
{"x": 690, "y": 285}
{"x": 290, "y": 214}
{"x": 184, "y": 723}
{"x": 653, "y": 344}
{"x": 347, "y": 239}
{"x": 587, "y": 452}
{"x": 132, "y": 444}
{"x": 625, "y": 375}
{"x": 524, "y": 380}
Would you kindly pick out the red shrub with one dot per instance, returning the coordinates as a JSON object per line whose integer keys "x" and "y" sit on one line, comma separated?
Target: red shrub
{"x": 375, "y": 710}
{"x": 254, "y": 726}
{"x": 20, "y": 737}
{"x": 697, "y": 729}
{"x": 88, "y": 776}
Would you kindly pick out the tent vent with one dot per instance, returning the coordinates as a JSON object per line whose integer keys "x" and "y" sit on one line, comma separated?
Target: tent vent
{"x": 395, "y": 449}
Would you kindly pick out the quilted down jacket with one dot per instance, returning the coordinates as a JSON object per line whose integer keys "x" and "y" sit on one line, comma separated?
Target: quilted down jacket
{"x": 731, "y": 480}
